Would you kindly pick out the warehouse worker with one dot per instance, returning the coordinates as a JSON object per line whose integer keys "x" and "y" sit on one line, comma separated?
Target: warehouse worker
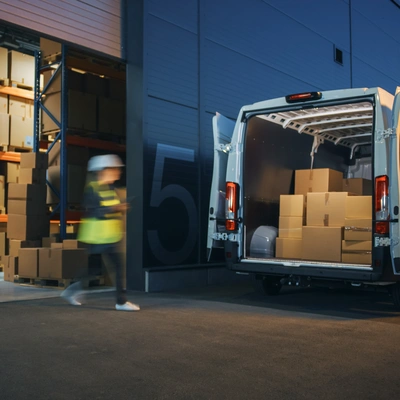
{"x": 101, "y": 229}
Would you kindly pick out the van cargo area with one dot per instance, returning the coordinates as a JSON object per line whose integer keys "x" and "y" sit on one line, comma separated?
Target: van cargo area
{"x": 307, "y": 186}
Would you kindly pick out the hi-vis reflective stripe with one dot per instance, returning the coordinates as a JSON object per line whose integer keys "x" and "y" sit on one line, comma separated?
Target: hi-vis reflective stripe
{"x": 109, "y": 203}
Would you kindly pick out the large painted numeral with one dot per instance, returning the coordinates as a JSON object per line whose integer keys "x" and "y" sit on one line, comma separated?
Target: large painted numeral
{"x": 159, "y": 194}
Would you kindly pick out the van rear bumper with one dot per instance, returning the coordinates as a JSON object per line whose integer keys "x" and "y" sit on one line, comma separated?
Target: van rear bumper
{"x": 318, "y": 270}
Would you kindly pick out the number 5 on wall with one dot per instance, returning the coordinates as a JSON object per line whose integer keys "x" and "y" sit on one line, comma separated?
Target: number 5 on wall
{"x": 159, "y": 194}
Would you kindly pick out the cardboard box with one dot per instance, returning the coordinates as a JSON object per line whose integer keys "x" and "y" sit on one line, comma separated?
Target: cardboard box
{"x": 11, "y": 171}
{"x": 82, "y": 111}
{"x": 96, "y": 85}
{"x": 26, "y": 207}
{"x": 117, "y": 89}
{"x": 33, "y": 195}
{"x": 359, "y": 207}
{"x": 3, "y": 102}
{"x": 10, "y": 265}
{"x": 62, "y": 263}
{"x": 28, "y": 262}
{"x": 2, "y": 193}
{"x": 37, "y": 160}
{"x": 3, "y": 63}
{"x": 326, "y": 209}
{"x": 15, "y": 245}
{"x": 322, "y": 243}
{"x": 358, "y": 186}
{"x": 75, "y": 81}
{"x": 3, "y": 242}
{"x": 32, "y": 176}
{"x": 21, "y": 132}
{"x": 76, "y": 155}
{"x": 75, "y": 184}
{"x": 353, "y": 233}
{"x": 22, "y": 68}
{"x": 290, "y": 227}
{"x": 56, "y": 245}
{"x": 357, "y": 258}
{"x": 291, "y": 205}
{"x": 21, "y": 107}
{"x": 49, "y": 48}
{"x": 288, "y": 248}
{"x": 356, "y": 245}
{"x": 4, "y": 129}
{"x": 47, "y": 241}
{"x": 27, "y": 227}
{"x": 318, "y": 180}
{"x": 73, "y": 244}
{"x": 116, "y": 108}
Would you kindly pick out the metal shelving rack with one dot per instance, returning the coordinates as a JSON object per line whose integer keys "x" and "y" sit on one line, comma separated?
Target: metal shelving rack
{"x": 59, "y": 67}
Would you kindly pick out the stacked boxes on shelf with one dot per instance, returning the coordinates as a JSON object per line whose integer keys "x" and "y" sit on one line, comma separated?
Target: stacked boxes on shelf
{"x": 291, "y": 219}
{"x": 28, "y": 221}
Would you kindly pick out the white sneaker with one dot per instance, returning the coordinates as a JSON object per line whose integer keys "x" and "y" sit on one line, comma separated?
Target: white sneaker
{"x": 70, "y": 294}
{"x": 127, "y": 307}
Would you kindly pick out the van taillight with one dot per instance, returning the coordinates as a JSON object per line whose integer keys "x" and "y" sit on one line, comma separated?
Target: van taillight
{"x": 382, "y": 204}
{"x": 298, "y": 97}
{"x": 231, "y": 206}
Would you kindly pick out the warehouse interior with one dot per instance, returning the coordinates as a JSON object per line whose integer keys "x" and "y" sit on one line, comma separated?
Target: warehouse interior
{"x": 46, "y": 143}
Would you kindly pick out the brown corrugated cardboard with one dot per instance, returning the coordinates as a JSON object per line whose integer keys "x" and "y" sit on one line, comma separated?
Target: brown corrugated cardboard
{"x": 3, "y": 63}
{"x": 356, "y": 245}
{"x": 2, "y": 193}
{"x": 358, "y": 186}
{"x": 62, "y": 263}
{"x": 10, "y": 268}
{"x": 32, "y": 176}
{"x": 75, "y": 155}
{"x": 22, "y": 68}
{"x": 49, "y": 48}
{"x": 26, "y": 207}
{"x": 75, "y": 81}
{"x": 3, "y": 102}
{"x": 288, "y": 248}
{"x": 26, "y": 199}
{"x": 357, "y": 258}
{"x": 322, "y": 243}
{"x": 21, "y": 132}
{"x": 3, "y": 242}
{"x": 4, "y": 129}
{"x": 15, "y": 245}
{"x": 28, "y": 262}
{"x": 358, "y": 229}
{"x": 116, "y": 125}
{"x": 27, "y": 227}
{"x": 72, "y": 244}
{"x": 326, "y": 209}
{"x": 291, "y": 205}
{"x": 37, "y": 160}
{"x": 21, "y": 107}
{"x": 11, "y": 171}
{"x": 359, "y": 207}
{"x": 76, "y": 184}
{"x": 290, "y": 227}
{"x": 56, "y": 245}
{"x": 96, "y": 85}
{"x": 318, "y": 180}
{"x": 47, "y": 241}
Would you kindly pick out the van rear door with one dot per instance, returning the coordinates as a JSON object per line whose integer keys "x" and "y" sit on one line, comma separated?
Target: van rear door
{"x": 394, "y": 183}
{"x": 222, "y": 132}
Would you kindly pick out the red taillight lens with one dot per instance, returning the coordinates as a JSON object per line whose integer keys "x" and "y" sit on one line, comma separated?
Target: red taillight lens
{"x": 382, "y": 204}
{"x": 231, "y": 205}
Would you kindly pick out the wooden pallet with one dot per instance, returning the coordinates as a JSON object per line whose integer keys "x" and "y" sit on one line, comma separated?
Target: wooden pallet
{"x": 21, "y": 85}
{"x": 56, "y": 283}
{"x": 15, "y": 149}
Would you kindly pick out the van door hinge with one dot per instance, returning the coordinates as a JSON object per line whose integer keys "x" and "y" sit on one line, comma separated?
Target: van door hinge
{"x": 226, "y": 148}
{"x": 232, "y": 237}
{"x": 384, "y": 134}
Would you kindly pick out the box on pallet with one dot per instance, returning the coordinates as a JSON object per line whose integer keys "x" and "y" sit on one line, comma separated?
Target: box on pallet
{"x": 4, "y": 129}
{"x": 10, "y": 265}
{"x": 322, "y": 243}
{"x": 22, "y": 68}
{"x": 62, "y": 263}
{"x": 21, "y": 107}
{"x": 3, "y": 104}
{"x": 11, "y": 171}
{"x": 3, "y": 244}
{"x": 291, "y": 205}
{"x": 27, "y": 227}
{"x": 32, "y": 176}
{"x": 28, "y": 262}
{"x": 3, "y": 63}
{"x": 73, "y": 244}
{"x": 37, "y": 160}
{"x": 26, "y": 199}
{"x": 15, "y": 245}
{"x": 76, "y": 155}
{"x": 290, "y": 227}
{"x": 288, "y": 248}
{"x": 21, "y": 132}
{"x": 326, "y": 209}
{"x": 2, "y": 194}
{"x": 317, "y": 180}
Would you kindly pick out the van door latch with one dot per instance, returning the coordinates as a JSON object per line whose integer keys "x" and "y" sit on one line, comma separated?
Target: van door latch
{"x": 384, "y": 134}
{"x": 226, "y": 148}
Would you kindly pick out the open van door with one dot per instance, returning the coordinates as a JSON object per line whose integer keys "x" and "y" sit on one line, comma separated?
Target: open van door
{"x": 395, "y": 184}
{"x": 222, "y": 132}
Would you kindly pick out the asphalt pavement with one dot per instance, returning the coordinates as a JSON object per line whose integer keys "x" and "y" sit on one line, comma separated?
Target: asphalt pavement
{"x": 223, "y": 342}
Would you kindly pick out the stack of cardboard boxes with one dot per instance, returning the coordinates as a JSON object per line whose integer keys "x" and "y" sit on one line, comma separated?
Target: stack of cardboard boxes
{"x": 338, "y": 224}
{"x": 28, "y": 221}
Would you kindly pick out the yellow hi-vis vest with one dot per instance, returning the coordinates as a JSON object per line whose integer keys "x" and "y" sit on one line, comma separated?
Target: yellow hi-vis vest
{"x": 102, "y": 231}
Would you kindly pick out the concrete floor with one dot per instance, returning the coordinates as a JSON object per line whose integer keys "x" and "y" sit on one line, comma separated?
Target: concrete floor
{"x": 225, "y": 342}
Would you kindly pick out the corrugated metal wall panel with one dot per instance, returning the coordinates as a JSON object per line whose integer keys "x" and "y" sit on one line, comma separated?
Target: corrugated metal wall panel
{"x": 172, "y": 62}
{"x": 93, "y": 24}
{"x": 275, "y": 40}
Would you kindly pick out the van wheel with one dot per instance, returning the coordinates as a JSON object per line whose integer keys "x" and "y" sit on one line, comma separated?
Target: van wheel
{"x": 272, "y": 285}
{"x": 395, "y": 291}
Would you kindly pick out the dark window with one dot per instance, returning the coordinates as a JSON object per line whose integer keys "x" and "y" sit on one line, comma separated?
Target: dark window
{"x": 338, "y": 55}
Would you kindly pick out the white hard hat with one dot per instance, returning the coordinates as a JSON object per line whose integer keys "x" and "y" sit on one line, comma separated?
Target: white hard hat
{"x": 98, "y": 163}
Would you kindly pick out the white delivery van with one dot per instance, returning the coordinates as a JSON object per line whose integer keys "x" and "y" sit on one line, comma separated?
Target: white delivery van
{"x": 258, "y": 180}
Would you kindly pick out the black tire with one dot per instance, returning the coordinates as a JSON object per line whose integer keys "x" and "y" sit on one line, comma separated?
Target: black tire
{"x": 271, "y": 285}
{"x": 395, "y": 291}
